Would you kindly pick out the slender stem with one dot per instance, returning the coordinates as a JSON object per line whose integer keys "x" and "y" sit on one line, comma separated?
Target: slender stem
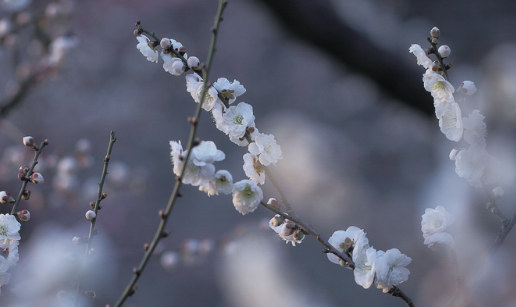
{"x": 96, "y": 208}
{"x": 129, "y": 290}
{"x": 439, "y": 58}
{"x": 278, "y": 190}
{"x": 396, "y": 292}
{"x": 29, "y": 173}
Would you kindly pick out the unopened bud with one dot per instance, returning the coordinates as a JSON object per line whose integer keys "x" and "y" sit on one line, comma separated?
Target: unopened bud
{"x": 435, "y": 32}
{"x": 178, "y": 68}
{"x": 497, "y": 193}
{"x": 298, "y": 235}
{"x": 273, "y": 203}
{"x": 444, "y": 51}
{"x": 453, "y": 154}
{"x": 5, "y": 198}
{"x": 165, "y": 43}
{"x": 277, "y": 220}
{"x": 24, "y": 169}
{"x": 26, "y": 195}
{"x": 90, "y": 215}
{"x": 193, "y": 62}
{"x": 435, "y": 41}
{"x": 287, "y": 228}
{"x": 37, "y": 178}
{"x": 467, "y": 87}
{"x": 79, "y": 240}
{"x": 23, "y": 215}
{"x": 90, "y": 294}
{"x": 28, "y": 141}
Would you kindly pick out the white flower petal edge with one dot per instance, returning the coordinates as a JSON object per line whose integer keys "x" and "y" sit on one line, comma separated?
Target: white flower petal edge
{"x": 390, "y": 269}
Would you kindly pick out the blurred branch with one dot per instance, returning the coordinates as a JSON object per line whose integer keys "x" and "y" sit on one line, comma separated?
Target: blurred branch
{"x": 316, "y": 23}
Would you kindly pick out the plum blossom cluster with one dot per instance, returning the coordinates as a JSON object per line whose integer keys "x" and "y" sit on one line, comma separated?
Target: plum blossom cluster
{"x": 472, "y": 161}
{"x": 384, "y": 269}
{"x": 433, "y": 225}
{"x": 9, "y": 241}
{"x": 236, "y": 121}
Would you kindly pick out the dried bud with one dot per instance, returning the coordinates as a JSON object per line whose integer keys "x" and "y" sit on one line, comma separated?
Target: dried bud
{"x": 79, "y": 240}
{"x": 193, "y": 62}
{"x": 37, "y": 178}
{"x": 444, "y": 51}
{"x": 24, "y": 169}
{"x": 6, "y": 198}
{"x": 497, "y": 193}
{"x": 28, "y": 141}
{"x": 90, "y": 294}
{"x": 467, "y": 87}
{"x": 165, "y": 43}
{"x": 435, "y": 41}
{"x": 23, "y": 215}
{"x": 90, "y": 215}
{"x": 435, "y": 32}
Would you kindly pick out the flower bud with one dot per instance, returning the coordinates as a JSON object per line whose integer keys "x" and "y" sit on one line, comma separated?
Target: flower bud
{"x": 90, "y": 215}
{"x": 28, "y": 141}
{"x": 37, "y": 178}
{"x": 193, "y": 62}
{"x": 467, "y": 87}
{"x": 298, "y": 235}
{"x": 453, "y": 154}
{"x": 26, "y": 195}
{"x": 90, "y": 294}
{"x": 435, "y": 40}
{"x": 444, "y": 51}
{"x": 79, "y": 240}
{"x": 165, "y": 43}
{"x": 5, "y": 198}
{"x": 497, "y": 192}
{"x": 435, "y": 32}
{"x": 178, "y": 68}
{"x": 287, "y": 229}
{"x": 273, "y": 203}
{"x": 277, "y": 220}
{"x": 24, "y": 169}
{"x": 23, "y": 215}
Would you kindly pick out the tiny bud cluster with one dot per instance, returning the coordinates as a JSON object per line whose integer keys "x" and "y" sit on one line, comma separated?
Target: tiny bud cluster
{"x": 287, "y": 230}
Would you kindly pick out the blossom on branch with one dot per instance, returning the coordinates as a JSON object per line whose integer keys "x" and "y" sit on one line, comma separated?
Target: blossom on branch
{"x": 266, "y": 148}
{"x": 433, "y": 225}
{"x": 146, "y": 48}
{"x": 230, "y": 90}
{"x": 246, "y": 196}
{"x": 422, "y": 58}
{"x": 391, "y": 269}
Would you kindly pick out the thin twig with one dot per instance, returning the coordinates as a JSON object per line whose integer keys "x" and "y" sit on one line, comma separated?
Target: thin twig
{"x": 129, "y": 290}
{"x": 29, "y": 173}
{"x": 100, "y": 197}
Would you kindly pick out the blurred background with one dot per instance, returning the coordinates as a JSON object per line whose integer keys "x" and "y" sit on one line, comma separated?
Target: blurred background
{"x": 336, "y": 85}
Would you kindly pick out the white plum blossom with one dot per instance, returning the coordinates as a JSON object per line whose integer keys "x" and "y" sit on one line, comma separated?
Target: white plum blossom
{"x": 345, "y": 241}
{"x": 193, "y": 83}
{"x": 210, "y": 97}
{"x": 230, "y": 90}
{"x": 146, "y": 48}
{"x": 468, "y": 88}
{"x": 10, "y": 252}
{"x": 451, "y": 122}
{"x": 252, "y": 169}
{"x": 365, "y": 268}
{"x": 222, "y": 182}
{"x": 439, "y": 88}
{"x": 283, "y": 230}
{"x": 9, "y": 228}
{"x": 470, "y": 164}
{"x": 422, "y": 58}
{"x": 237, "y": 119}
{"x": 266, "y": 148}
{"x": 391, "y": 269}
{"x": 475, "y": 129}
{"x": 433, "y": 225}
{"x": 172, "y": 64}
{"x": 199, "y": 169}
{"x": 246, "y": 196}
{"x": 60, "y": 47}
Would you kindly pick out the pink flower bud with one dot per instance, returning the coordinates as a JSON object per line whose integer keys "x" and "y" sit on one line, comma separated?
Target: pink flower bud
{"x": 26, "y": 195}
{"x": 90, "y": 215}
{"x": 6, "y": 198}
{"x": 178, "y": 68}
{"x": 28, "y": 141}
{"x": 444, "y": 51}
{"x": 37, "y": 178}
{"x": 435, "y": 32}
{"x": 23, "y": 215}
{"x": 24, "y": 169}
